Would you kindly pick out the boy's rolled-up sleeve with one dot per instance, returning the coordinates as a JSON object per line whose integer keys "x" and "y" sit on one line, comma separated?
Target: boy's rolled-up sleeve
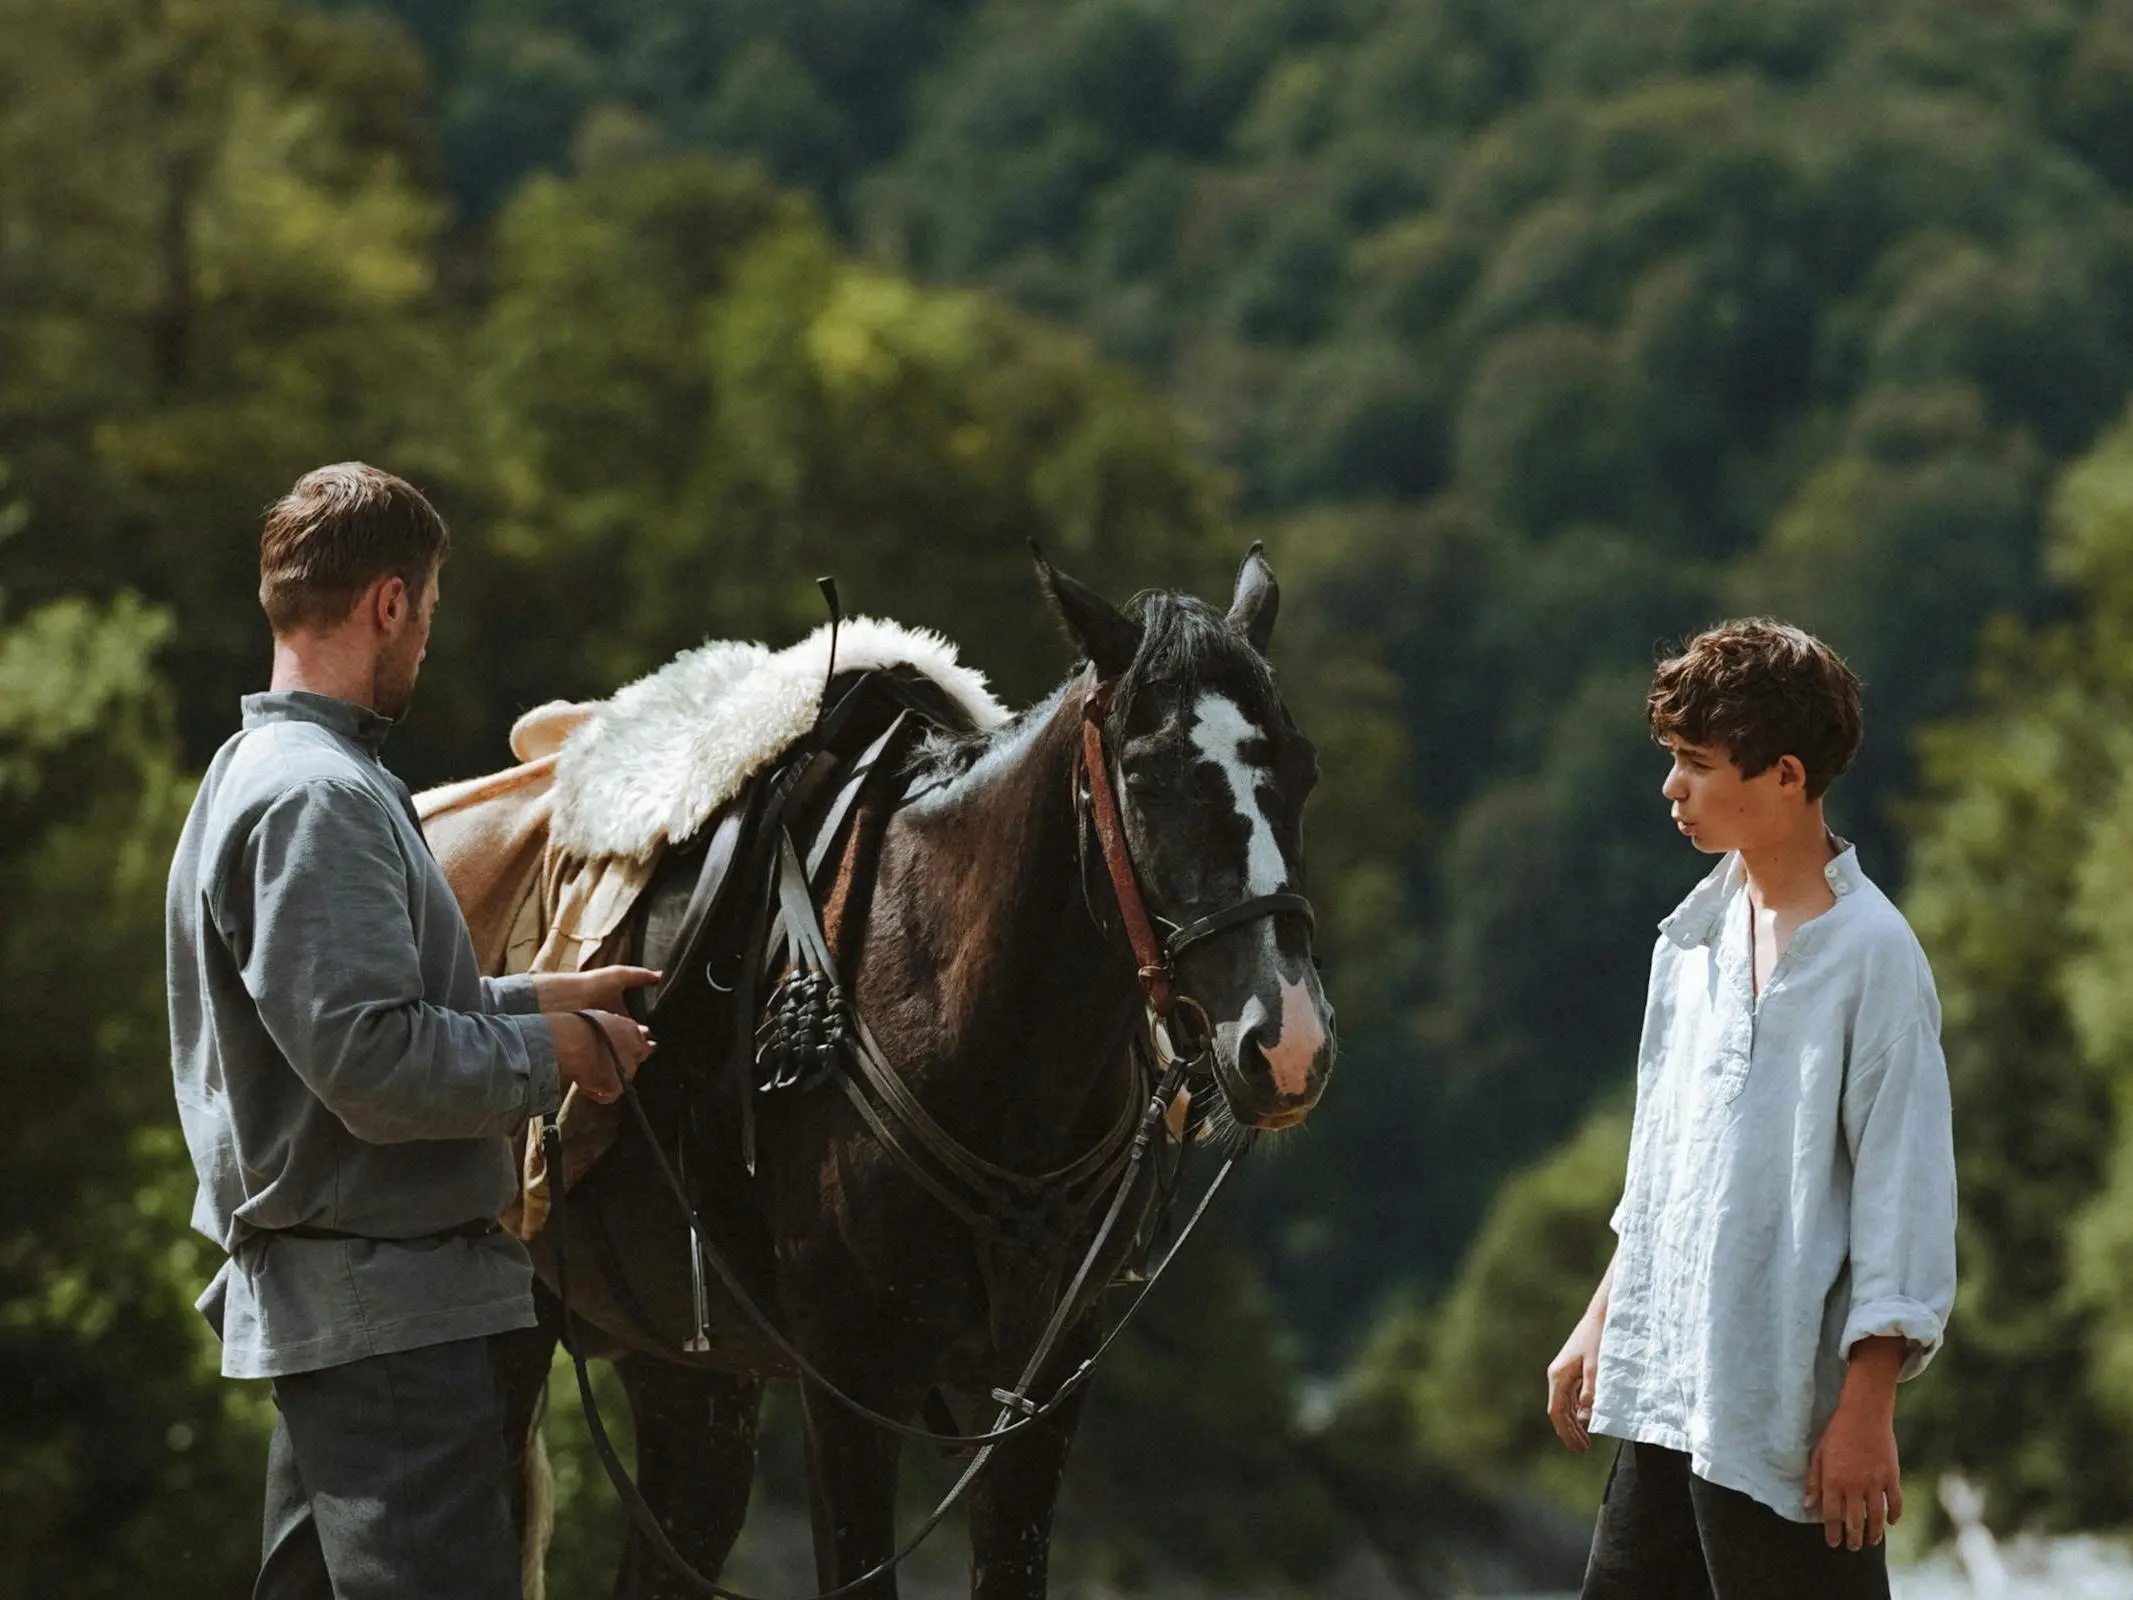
{"x": 1898, "y": 1125}
{"x": 330, "y": 959}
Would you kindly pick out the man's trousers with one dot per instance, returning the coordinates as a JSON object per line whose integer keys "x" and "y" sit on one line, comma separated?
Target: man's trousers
{"x": 385, "y": 1481}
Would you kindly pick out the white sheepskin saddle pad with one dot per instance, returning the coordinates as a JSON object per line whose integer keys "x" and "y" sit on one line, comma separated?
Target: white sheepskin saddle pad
{"x": 656, "y": 760}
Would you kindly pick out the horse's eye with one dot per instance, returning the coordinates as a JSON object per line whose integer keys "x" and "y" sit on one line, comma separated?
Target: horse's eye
{"x": 1300, "y": 773}
{"x": 1146, "y": 786}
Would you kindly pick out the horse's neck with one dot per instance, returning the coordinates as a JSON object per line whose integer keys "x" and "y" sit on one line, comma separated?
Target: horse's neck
{"x": 1019, "y": 1006}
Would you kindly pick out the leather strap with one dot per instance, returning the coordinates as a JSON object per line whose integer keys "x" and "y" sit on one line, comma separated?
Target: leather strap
{"x": 1111, "y": 838}
{"x": 1264, "y": 905}
{"x": 479, "y": 1228}
{"x": 713, "y": 879}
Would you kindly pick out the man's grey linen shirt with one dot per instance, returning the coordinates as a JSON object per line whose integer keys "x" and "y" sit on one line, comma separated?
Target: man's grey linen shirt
{"x": 1791, "y": 1184}
{"x": 340, "y": 1062}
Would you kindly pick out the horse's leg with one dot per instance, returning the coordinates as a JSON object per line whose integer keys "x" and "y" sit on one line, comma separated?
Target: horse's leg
{"x": 696, "y": 1434}
{"x": 851, "y": 1481}
{"x": 1011, "y": 1503}
{"x": 522, "y": 1357}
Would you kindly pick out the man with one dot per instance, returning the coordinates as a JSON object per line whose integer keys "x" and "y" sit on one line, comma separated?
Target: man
{"x": 1786, "y": 1248}
{"x": 347, "y": 1079}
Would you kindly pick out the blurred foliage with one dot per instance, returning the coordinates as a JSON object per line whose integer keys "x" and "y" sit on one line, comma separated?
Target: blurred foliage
{"x": 1529, "y": 333}
{"x": 1190, "y": 1437}
{"x": 689, "y": 404}
{"x": 219, "y": 274}
{"x": 118, "y": 1435}
{"x": 1460, "y": 1387}
{"x": 2022, "y": 858}
{"x": 671, "y": 405}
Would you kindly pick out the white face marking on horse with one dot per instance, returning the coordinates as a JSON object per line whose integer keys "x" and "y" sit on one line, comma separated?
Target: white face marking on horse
{"x": 1220, "y": 732}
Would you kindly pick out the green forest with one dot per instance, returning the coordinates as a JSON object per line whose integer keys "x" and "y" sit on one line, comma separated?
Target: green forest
{"x": 1530, "y": 335}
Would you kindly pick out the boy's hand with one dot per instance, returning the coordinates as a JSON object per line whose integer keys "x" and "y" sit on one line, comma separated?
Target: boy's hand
{"x": 1570, "y": 1381}
{"x": 1853, "y": 1478}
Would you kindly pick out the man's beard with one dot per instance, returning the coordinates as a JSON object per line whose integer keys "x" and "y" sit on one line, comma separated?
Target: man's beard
{"x": 392, "y": 688}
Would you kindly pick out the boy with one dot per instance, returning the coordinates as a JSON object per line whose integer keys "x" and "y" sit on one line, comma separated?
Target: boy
{"x": 1786, "y": 1236}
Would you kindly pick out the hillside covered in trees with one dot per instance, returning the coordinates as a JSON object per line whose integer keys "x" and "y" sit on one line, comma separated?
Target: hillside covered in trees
{"x": 1535, "y": 333}
{"x": 1529, "y": 333}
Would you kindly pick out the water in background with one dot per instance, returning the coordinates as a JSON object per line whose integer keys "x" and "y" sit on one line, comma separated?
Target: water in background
{"x": 773, "y": 1558}
{"x": 1976, "y": 1566}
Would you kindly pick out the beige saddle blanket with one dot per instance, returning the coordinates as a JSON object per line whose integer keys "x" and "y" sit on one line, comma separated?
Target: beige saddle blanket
{"x": 549, "y": 857}
{"x": 534, "y": 908}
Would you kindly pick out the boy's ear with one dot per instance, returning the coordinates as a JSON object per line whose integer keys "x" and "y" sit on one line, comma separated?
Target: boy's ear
{"x": 1792, "y": 773}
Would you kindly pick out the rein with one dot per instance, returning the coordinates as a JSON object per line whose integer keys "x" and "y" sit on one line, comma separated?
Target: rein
{"x": 1014, "y": 1403}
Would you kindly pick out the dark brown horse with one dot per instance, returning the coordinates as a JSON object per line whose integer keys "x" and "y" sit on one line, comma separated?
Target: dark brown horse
{"x": 989, "y": 963}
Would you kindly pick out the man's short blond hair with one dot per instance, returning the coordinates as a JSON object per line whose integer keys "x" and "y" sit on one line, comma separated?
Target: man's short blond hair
{"x": 336, "y": 533}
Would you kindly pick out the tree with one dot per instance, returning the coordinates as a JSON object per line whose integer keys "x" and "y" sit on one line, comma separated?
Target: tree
{"x": 219, "y": 276}
{"x": 125, "y": 1456}
{"x": 2021, "y": 859}
{"x": 691, "y": 404}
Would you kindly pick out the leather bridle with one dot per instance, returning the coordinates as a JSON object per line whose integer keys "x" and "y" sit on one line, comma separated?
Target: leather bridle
{"x": 1156, "y": 961}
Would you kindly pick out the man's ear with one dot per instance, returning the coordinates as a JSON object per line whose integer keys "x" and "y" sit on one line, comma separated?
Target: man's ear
{"x": 1792, "y": 773}
{"x": 1106, "y": 635}
{"x": 390, "y": 601}
{"x": 1258, "y": 598}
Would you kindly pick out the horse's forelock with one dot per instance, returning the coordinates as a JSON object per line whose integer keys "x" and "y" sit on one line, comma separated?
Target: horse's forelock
{"x": 1187, "y": 645}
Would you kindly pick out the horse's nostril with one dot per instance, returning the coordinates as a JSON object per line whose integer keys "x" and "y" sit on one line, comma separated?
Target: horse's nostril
{"x": 1284, "y": 1065}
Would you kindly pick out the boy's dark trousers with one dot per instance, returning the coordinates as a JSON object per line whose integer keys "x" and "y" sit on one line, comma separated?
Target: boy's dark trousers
{"x": 1666, "y": 1534}
{"x": 385, "y": 1481}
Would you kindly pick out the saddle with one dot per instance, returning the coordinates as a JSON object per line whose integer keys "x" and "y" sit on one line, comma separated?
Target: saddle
{"x": 792, "y": 822}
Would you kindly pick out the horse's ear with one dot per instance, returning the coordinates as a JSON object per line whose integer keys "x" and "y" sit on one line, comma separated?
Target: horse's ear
{"x": 1251, "y": 613}
{"x": 1107, "y": 636}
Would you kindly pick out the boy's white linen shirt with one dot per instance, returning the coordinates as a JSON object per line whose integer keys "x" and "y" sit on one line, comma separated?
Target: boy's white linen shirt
{"x": 1791, "y": 1185}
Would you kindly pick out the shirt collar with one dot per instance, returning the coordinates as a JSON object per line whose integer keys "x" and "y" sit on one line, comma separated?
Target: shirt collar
{"x": 1695, "y": 920}
{"x": 1843, "y": 870}
{"x": 1692, "y": 922}
{"x": 344, "y": 717}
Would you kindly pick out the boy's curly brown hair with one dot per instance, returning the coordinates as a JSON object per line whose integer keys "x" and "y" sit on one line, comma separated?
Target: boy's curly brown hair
{"x": 1761, "y": 689}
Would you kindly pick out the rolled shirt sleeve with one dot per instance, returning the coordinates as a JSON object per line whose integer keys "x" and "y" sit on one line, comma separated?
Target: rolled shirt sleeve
{"x": 1898, "y": 1124}
{"x": 330, "y": 959}
{"x": 515, "y": 996}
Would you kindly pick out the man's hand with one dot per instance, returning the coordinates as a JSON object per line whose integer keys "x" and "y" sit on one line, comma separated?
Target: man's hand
{"x": 1854, "y": 1480}
{"x": 1571, "y": 1376}
{"x": 601, "y": 989}
{"x": 581, "y": 1058}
